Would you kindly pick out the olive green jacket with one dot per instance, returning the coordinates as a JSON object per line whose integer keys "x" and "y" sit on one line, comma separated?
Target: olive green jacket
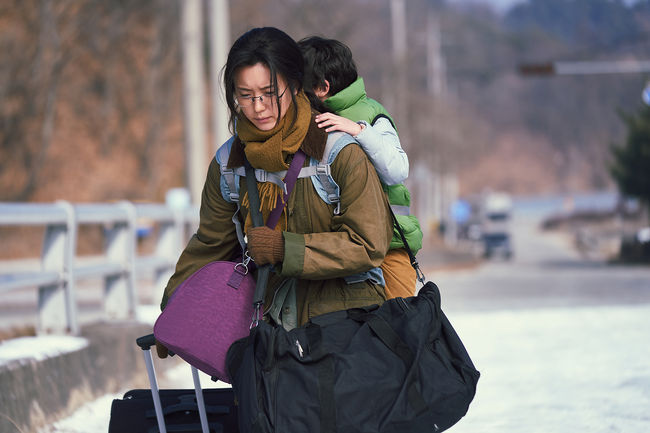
{"x": 320, "y": 247}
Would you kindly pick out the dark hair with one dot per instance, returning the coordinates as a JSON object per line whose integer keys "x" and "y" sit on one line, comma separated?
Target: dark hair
{"x": 271, "y": 47}
{"x": 327, "y": 59}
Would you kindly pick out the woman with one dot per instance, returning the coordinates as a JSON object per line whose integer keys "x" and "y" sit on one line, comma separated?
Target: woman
{"x": 322, "y": 257}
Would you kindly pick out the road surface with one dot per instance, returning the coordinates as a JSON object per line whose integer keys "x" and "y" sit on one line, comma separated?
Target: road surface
{"x": 563, "y": 344}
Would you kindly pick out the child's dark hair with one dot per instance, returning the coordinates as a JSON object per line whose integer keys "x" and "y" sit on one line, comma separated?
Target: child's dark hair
{"x": 271, "y": 47}
{"x": 327, "y": 59}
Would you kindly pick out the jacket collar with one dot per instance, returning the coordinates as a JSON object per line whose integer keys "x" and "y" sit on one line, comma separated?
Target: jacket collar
{"x": 313, "y": 145}
{"x": 347, "y": 97}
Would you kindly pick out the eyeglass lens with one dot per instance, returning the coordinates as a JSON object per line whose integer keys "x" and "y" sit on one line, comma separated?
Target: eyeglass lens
{"x": 266, "y": 99}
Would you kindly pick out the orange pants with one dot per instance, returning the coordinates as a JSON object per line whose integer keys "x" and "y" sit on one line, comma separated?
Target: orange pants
{"x": 399, "y": 274}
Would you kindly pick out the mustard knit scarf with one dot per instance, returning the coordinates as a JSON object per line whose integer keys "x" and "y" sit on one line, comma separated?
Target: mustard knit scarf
{"x": 269, "y": 150}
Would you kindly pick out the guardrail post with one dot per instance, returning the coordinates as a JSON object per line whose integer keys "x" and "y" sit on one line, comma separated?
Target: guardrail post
{"x": 168, "y": 247}
{"x": 119, "y": 290}
{"x": 190, "y": 223}
{"x": 57, "y": 310}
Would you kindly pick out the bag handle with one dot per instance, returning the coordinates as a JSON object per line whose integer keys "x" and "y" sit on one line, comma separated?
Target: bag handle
{"x": 387, "y": 335}
{"x": 290, "y": 181}
{"x": 258, "y": 221}
{"x": 414, "y": 262}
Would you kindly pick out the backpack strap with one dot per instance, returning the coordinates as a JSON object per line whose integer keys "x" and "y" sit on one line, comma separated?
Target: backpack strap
{"x": 321, "y": 173}
{"x": 290, "y": 178}
{"x": 229, "y": 186}
{"x": 318, "y": 170}
{"x": 229, "y": 177}
{"x": 229, "y": 183}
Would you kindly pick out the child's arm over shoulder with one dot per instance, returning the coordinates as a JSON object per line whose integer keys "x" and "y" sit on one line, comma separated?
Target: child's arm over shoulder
{"x": 380, "y": 142}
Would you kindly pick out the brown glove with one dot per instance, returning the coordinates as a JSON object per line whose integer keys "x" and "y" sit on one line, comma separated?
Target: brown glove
{"x": 162, "y": 350}
{"x": 265, "y": 245}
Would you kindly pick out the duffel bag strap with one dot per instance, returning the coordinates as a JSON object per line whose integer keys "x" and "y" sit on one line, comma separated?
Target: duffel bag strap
{"x": 258, "y": 221}
{"x": 414, "y": 261}
{"x": 326, "y": 377}
{"x": 394, "y": 342}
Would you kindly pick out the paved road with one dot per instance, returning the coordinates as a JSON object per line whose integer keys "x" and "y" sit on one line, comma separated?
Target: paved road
{"x": 563, "y": 344}
{"x": 545, "y": 272}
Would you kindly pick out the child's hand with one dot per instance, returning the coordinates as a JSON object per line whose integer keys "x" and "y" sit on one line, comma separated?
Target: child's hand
{"x": 332, "y": 122}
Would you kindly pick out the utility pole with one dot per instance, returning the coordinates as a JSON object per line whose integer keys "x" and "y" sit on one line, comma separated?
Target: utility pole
{"x": 435, "y": 89}
{"x": 219, "y": 43}
{"x": 446, "y": 186}
{"x": 194, "y": 93}
{"x": 400, "y": 70}
{"x": 436, "y": 67}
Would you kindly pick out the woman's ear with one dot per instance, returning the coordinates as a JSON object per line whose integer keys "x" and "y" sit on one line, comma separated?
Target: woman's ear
{"x": 323, "y": 90}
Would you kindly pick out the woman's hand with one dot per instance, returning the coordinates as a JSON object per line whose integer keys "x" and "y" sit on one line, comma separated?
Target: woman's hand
{"x": 162, "y": 351}
{"x": 332, "y": 122}
{"x": 265, "y": 245}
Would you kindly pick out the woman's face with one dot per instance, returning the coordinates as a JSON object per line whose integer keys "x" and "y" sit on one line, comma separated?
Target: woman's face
{"x": 255, "y": 96}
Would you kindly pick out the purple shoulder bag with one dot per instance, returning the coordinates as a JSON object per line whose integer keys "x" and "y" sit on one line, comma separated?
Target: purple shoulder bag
{"x": 215, "y": 306}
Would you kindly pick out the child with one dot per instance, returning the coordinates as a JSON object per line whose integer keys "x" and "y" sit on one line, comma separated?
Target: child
{"x": 331, "y": 74}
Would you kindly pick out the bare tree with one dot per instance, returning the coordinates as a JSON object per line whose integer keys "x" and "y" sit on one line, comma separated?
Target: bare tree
{"x": 31, "y": 84}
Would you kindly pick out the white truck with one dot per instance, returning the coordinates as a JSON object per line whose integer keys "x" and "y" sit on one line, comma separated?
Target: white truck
{"x": 496, "y": 212}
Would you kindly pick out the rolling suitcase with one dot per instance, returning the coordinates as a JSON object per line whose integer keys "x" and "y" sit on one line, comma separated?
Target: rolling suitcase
{"x": 173, "y": 410}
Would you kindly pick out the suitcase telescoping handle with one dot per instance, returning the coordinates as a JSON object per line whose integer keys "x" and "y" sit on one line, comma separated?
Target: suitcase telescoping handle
{"x": 145, "y": 342}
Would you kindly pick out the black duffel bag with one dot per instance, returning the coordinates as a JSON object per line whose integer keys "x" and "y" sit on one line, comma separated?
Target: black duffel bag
{"x": 398, "y": 368}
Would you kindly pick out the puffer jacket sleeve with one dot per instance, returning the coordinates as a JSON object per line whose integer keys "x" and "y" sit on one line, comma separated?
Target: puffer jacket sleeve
{"x": 216, "y": 237}
{"x": 382, "y": 145}
{"x": 360, "y": 234}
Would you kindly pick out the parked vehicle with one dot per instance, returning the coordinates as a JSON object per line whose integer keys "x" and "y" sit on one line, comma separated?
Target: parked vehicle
{"x": 496, "y": 213}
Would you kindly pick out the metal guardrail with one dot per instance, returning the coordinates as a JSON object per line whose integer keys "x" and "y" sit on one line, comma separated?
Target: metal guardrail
{"x": 60, "y": 267}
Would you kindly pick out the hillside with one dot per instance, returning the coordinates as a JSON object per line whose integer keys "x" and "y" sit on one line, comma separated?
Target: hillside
{"x": 92, "y": 101}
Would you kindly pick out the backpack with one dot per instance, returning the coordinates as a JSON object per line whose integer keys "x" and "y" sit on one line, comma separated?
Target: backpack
{"x": 319, "y": 171}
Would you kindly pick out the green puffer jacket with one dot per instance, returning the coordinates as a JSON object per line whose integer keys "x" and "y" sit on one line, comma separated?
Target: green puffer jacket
{"x": 320, "y": 247}
{"x": 353, "y": 103}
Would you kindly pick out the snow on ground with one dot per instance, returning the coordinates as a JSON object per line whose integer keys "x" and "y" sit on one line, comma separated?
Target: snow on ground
{"x": 94, "y": 417}
{"x": 39, "y": 348}
{"x": 47, "y": 346}
{"x": 90, "y": 418}
{"x": 555, "y": 370}
{"x": 559, "y": 370}
{"x": 148, "y": 313}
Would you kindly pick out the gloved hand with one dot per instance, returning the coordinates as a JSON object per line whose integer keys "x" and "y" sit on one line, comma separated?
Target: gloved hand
{"x": 265, "y": 245}
{"x": 161, "y": 350}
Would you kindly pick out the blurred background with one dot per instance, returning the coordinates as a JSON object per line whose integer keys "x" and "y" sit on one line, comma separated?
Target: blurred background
{"x": 93, "y": 93}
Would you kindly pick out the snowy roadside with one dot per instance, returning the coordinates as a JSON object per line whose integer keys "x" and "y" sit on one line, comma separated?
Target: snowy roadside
{"x": 563, "y": 370}
{"x": 94, "y": 416}
{"x": 559, "y": 370}
{"x": 48, "y": 346}
{"x": 38, "y": 348}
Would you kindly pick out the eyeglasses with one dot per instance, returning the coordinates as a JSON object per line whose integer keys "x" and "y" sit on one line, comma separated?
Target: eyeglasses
{"x": 266, "y": 99}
